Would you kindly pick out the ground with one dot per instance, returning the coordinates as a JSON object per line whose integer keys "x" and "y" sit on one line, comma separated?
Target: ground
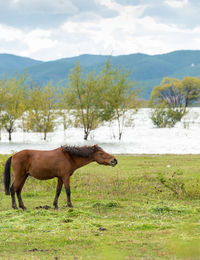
{"x": 147, "y": 207}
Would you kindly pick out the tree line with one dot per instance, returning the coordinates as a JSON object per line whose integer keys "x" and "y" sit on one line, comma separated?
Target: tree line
{"x": 90, "y": 100}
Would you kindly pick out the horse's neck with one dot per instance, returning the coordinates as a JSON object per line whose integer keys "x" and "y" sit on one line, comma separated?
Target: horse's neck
{"x": 81, "y": 161}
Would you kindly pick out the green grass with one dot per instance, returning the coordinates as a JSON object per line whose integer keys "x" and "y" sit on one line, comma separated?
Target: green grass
{"x": 147, "y": 207}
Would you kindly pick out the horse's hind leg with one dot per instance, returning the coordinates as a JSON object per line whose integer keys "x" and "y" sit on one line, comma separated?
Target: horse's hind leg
{"x": 58, "y": 190}
{"x": 18, "y": 191}
{"x": 12, "y": 192}
{"x": 17, "y": 186}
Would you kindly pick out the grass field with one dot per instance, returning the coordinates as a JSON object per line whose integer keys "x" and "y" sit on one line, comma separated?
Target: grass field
{"x": 147, "y": 207}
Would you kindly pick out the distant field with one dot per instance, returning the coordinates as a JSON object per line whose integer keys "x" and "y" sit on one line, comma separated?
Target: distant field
{"x": 147, "y": 207}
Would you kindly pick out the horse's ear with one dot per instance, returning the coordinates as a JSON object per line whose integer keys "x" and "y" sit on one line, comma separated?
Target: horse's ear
{"x": 97, "y": 148}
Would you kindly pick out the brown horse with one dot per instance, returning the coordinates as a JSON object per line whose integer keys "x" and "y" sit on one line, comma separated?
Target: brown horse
{"x": 44, "y": 165}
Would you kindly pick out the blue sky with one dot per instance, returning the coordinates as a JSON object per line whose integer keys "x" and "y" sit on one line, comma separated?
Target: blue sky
{"x": 53, "y": 29}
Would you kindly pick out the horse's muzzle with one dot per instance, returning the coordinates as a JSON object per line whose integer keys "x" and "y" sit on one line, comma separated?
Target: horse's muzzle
{"x": 113, "y": 162}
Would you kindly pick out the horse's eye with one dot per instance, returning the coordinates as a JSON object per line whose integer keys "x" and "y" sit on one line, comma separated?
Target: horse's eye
{"x": 103, "y": 156}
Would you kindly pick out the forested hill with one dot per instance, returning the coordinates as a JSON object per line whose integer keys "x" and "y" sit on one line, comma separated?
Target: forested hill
{"x": 148, "y": 70}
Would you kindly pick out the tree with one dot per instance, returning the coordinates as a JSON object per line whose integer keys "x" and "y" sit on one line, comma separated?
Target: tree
{"x": 169, "y": 93}
{"x": 13, "y": 104}
{"x": 190, "y": 88}
{"x": 171, "y": 98}
{"x": 120, "y": 95}
{"x": 176, "y": 93}
{"x": 42, "y": 110}
{"x": 83, "y": 98}
{"x": 107, "y": 96}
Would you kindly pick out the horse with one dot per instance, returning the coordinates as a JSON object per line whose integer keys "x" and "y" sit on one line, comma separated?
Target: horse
{"x": 43, "y": 165}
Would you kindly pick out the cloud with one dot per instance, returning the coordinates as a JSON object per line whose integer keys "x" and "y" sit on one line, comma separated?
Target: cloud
{"x": 25, "y": 43}
{"x": 176, "y": 4}
{"x": 34, "y": 13}
{"x": 69, "y": 28}
{"x": 9, "y": 33}
{"x": 43, "y": 7}
{"x": 184, "y": 13}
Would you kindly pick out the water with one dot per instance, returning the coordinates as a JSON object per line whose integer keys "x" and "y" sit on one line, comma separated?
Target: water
{"x": 143, "y": 138}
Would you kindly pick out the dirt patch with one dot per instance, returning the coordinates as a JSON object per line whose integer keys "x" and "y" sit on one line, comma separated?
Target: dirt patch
{"x": 38, "y": 250}
{"x": 43, "y": 207}
{"x": 102, "y": 229}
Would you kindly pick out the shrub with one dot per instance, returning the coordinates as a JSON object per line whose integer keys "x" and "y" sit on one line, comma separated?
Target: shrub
{"x": 173, "y": 183}
{"x": 167, "y": 117}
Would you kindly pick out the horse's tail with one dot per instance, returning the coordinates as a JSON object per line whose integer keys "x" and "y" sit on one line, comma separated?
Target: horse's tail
{"x": 7, "y": 176}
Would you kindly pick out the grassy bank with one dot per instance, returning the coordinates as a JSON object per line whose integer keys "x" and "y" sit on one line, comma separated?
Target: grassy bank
{"x": 147, "y": 207}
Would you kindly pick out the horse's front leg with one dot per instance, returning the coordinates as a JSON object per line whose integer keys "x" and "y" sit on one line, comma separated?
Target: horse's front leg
{"x": 58, "y": 191}
{"x": 66, "y": 182}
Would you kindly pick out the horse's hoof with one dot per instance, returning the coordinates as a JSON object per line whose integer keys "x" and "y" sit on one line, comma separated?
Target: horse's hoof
{"x": 69, "y": 205}
{"x": 24, "y": 208}
{"x": 14, "y": 207}
{"x": 56, "y": 208}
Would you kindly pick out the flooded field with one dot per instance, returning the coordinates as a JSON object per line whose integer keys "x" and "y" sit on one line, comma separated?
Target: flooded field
{"x": 142, "y": 138}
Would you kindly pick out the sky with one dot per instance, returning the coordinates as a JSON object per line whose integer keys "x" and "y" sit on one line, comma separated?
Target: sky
{"x": 53, "y": 29}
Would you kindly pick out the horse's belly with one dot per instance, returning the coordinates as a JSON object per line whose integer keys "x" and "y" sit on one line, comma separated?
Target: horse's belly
{"x": 42, "y": 174}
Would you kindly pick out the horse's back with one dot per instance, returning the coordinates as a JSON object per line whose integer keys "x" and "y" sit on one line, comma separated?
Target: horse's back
{"x": 37, "y": 163}
{"x": 27, "y": 156}
{"x": 31, "y": 154}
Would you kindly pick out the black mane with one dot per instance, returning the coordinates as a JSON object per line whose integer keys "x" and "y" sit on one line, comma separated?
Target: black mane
{"x": 83, "y": 151}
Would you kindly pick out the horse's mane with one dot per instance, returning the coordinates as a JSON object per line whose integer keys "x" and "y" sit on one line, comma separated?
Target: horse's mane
{"x": 83, "y": 151}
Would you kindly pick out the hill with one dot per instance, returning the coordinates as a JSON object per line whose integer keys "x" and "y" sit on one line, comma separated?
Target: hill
{"x": 148, "y": 70}
{"x": 10, "y": 64}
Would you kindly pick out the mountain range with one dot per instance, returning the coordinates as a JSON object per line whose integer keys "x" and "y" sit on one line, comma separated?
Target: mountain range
{"x": 147, "y": 70}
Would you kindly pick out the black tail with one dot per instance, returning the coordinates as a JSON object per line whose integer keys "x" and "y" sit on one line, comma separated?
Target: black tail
{"x": 7, "y": 176}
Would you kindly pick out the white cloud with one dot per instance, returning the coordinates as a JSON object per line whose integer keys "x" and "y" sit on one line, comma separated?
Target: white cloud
{"x": 8, "y": 33}
{"x": 25, "y": 43}
{"x": 38, "y": 39}
{"x": 176, "y": 4}
{"x": 126, "y": 33}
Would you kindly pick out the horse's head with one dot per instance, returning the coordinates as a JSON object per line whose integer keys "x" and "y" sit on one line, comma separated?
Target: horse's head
{"x": 101, "y": 157}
